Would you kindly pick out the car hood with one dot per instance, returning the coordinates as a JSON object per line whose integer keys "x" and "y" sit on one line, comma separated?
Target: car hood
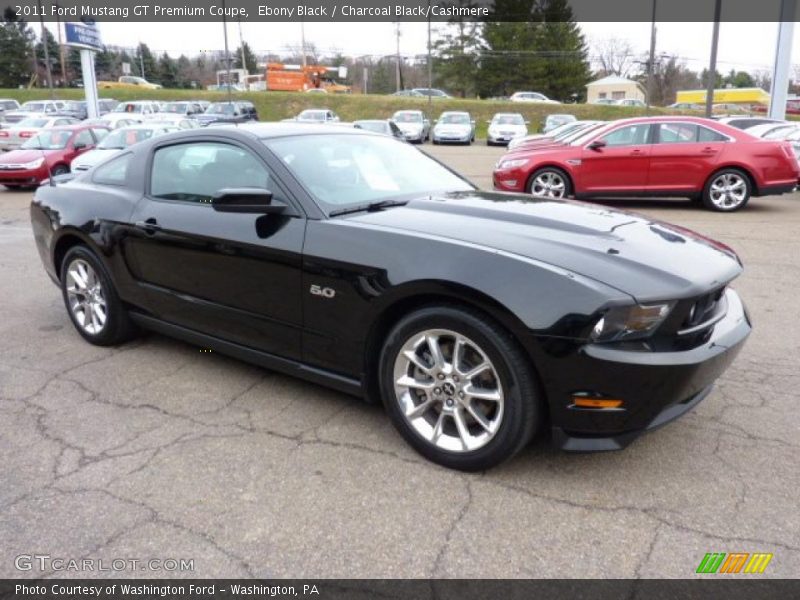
{"x": 23, "y": 156}
{"x": 92, "y": 157}
{"x": 410, "y": 126}
{"x": 646, "y": 259}
{"x": 515, "y": 128}
{"x": 462, "y": 128}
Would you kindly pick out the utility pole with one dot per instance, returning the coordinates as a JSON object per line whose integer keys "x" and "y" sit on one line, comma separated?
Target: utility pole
{"x": 46, "y": 51}
{"x": 783, "y": 61}
{"x": 141, "y": 60}
{"x": 241, "y": 47}
{"x": 227, "y": 54}
{"x": 712, "y": 67}
{"x": 430, "y": 61}
{"x": 397, "y": 62}
{"x": 61, "y": 49}
{"x": 651, "y": 63}
{"x": 303, "y": 44}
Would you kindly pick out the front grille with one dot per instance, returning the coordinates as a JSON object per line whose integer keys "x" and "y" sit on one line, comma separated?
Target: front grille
{"x": 704, "y": 312}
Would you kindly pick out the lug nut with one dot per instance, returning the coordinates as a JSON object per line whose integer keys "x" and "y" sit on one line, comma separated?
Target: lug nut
{"x": 455, "y": 377}
{"x": 449, "y": 402}
{"x": 437, "y": 391}
{"x": 460, "y": 394}
{"x": 440, "y": 375}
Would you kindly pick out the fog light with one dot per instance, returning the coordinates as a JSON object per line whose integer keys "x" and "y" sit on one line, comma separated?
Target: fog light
{"x": 587, "y": 402}
{"x": 509, "y": 182}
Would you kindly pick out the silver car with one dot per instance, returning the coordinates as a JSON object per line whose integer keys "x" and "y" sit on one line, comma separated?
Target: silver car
{"x": 118, "y": 140}
{"x": 454, "y": 127}
{"x": 40, "y": 108}
{"x": 414, "y": 124}
{"x": 505, "y": 127}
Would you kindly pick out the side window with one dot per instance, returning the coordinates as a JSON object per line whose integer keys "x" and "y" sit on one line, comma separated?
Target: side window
{"x": 704, "y": 134}
{"x": 677, "y": 133}
{"x": 195, "y": 172}
{"x": 99, "y": 133}
{"x": 114, "y": 172}
{"x": 83, "y": 138}
{"x": 633, "y": 135}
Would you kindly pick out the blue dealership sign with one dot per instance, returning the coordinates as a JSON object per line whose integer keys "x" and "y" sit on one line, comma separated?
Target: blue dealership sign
{"x": 83, "y": 35}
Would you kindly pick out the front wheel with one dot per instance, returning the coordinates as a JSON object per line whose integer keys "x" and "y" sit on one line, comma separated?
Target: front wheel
{"x": 727, "y": 191}
{"x": 458, "y": 388}
{"x": 549, "y": 182}
{"x": 92, "y": 302}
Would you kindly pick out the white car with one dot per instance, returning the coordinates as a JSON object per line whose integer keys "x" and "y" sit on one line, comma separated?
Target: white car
{"x": 631, "y": 102}
{"x": 117, "y": 140}
{"x": 771, "y": 131}
{"x": 112, "y": 123}
{"x": 316, "y": 115}
{"x": 506, "y": 127}
{"x": 454, "y": 127}
{"x": 556, "y": 135}
{"x": 532, "y": 97}
{"x": 414, "y": 124}
{"x": 142, "y": 109}
{"x": 34, "y": 108}
{"x": 13, "y": 137}
{"x": 553, "y": 122}
{"x": 176, "y": 121}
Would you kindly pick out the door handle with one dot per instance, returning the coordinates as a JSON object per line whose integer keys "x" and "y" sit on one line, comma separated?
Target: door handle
{"x": 150, "y": 226}
{"x": 637, "y": 152}
{"x": 709, "y": 150}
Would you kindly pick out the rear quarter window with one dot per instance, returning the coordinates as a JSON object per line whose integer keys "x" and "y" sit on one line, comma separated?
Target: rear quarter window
{"x": 114, "y": 172}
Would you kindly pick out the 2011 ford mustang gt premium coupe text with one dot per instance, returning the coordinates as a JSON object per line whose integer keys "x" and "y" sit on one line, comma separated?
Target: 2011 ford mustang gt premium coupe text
{"x": 356, "y": 261}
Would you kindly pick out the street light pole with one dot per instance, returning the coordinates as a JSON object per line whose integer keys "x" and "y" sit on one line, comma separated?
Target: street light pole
{"x": 46, "y": 51}
{"x": 651, "y": 62}
{"x": 397, "y": 57}
{"x": 430, "y": 61}
{"x": 227, "y": 54}
{"x": 712, "y": 67}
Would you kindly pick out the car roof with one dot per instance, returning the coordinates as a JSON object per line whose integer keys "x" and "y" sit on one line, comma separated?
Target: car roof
{"x": 269, "y": 130}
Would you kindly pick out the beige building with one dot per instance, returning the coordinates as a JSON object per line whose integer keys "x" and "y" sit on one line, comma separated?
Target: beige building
{"x": 614, "y": 87}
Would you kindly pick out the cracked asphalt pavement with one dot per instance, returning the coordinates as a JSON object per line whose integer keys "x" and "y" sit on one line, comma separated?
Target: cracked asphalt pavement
{"x": 156, "y": 450}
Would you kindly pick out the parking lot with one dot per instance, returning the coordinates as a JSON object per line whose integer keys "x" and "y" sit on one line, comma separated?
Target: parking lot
{"x": 155, "y": 450}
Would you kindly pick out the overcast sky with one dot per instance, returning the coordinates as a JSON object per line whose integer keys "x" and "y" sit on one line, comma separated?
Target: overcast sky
{"x": 744, "y": 46}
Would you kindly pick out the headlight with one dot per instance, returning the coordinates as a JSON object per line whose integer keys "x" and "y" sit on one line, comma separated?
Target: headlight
{"x": 34, "y": 164}
{"x": 630, "y": 322}
{"x": 511, "y": 164}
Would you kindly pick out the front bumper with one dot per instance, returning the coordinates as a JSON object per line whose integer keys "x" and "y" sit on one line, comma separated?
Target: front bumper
{"x": 22, "y": 177}
{"x": 655, "y": 387}
{"x": 452, "y": 138}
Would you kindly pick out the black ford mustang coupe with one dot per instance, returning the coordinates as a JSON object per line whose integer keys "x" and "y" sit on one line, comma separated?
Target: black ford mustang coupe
{"x": 358, "y": 262}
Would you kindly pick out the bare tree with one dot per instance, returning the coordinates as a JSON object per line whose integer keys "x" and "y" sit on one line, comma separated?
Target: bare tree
{"x": 614, "y": 56}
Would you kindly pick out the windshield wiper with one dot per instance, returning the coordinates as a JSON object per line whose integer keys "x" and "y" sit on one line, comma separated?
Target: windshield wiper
{"x": 370, "y": 207}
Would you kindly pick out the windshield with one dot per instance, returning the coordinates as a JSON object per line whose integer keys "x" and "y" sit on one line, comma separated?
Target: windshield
{"x": 508, "y": 120}
{"x": 312, "y": 115}
{"x": 129, "y": 107}
{"x": 177, "y": 107}
{"x": 122, "y": 138}
{"x": 407, "y": 117}
{"x": 342, "y": 170}
{"x": 33, "y": 122}
{"x": 48, "y": 140}
{"x": 220, "y": 108}
{"x": 376, "y": 126}
{"x": 76, "y": 106}
{"x": 584, "y": 135}
{"x": 33, "y": 107}
{"x": 454, "y": 119}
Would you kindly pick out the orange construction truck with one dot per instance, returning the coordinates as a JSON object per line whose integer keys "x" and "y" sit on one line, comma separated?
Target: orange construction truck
{"x": 296, "y": 78}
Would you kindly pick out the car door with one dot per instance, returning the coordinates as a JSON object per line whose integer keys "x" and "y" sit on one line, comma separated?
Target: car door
{"x": 618, "y": 163}
{"x": 81, "y": 142}
{"x": 683, "y": 156}
{"x": 235, "y": 276}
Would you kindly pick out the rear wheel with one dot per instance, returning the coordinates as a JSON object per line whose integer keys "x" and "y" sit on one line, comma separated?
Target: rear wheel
{"x": 458, "y": 388}
{"x": 91, "y": 300}
{"x": 549, "y": 182}
{"x": 727, "y": 191}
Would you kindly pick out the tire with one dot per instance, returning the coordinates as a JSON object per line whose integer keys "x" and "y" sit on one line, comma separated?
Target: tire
{"x": 59, "y": 170}
{"x": 78, "y": 298}
{"x": 727, "y": 190}
{"x": 560, "y": 186}
{"x": 509, "y": 405}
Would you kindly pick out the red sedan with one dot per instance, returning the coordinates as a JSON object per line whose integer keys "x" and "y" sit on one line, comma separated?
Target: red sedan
{"x": 657, "y": 156}
{"x": 47, "y": 154}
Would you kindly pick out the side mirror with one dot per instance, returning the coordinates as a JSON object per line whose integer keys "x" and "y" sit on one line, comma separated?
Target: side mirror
{"x": 79, "y": 145}
{"x": 527, "y": 122}
{"x": 246, "y": 200}
{"x": 487, "y": 122}
{"x": 472, "y": 122}
{"x": 597, "y": 145}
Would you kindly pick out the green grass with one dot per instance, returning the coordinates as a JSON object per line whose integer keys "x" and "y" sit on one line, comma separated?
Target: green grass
{"x": 273, "y": 106}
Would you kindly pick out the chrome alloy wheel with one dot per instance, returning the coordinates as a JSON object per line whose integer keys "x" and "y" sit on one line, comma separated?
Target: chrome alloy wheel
{"x": 448, "y": 390}
{"x": 548, "y": 184}
{"x": 728, "y": 191}
{"x": 86, "y": 298}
